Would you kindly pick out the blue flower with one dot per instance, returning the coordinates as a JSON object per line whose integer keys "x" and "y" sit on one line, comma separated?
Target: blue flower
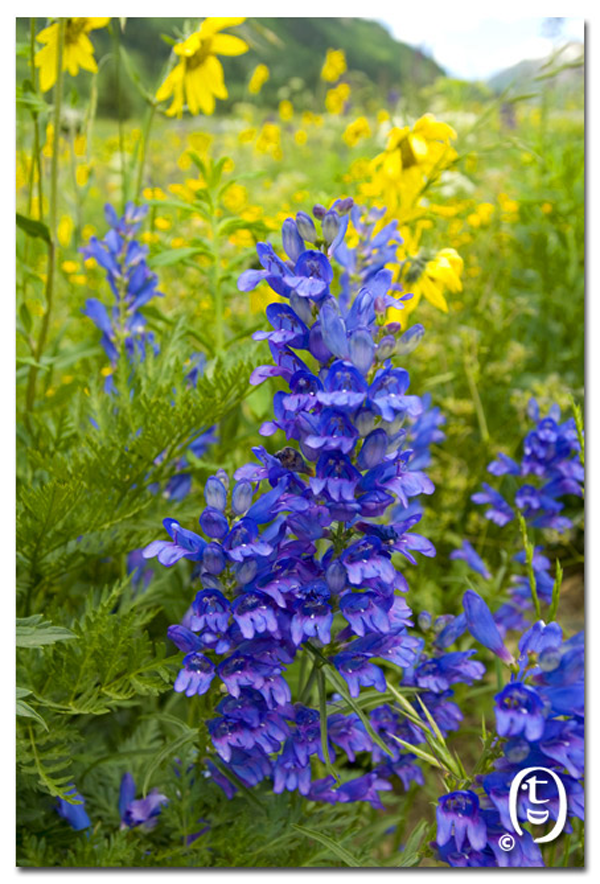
{"x": 74, "y": 813}
{"x": 140, "y": 812}
{"x": 473, "y": 560}
{"x": 458, "y": 814}
{"x": 196, "y": 675}
{"x": 520, "y": 710}
{"x": 482, "y": 626}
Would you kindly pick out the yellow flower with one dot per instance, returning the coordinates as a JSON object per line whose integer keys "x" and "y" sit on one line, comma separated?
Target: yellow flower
{"x": 162, "y": 223}
{"x": 441, "y": 272}
{"x": 300, "y": 137}
{"x": 70, "y": 266}
{"x": 80, "y": 145}
{"x": 269, "y": 140}
{"x": 247, "y": 135}
{"x": 335, "y": 65}
{"x": 286, "y": 110}
{"x": 411, "y": 156}
{"x": 356, "y": 131}
{"x": 336, "y": 98}
{"x": 78, "y": 51}
{"x": 546, "y": 208}
{"x": 82, "y": 174}
{"x": 235, "y": 198}
{"x": 198, "y": 78}
{"x": 259, "y": 77}
{"x": 485, "y": 212}
{"x": 65, "y": 231}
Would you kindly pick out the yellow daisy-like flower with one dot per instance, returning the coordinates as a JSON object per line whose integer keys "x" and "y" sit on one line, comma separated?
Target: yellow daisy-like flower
{"x": 286, "y": 110}
{"x": 78, "y": 51}
{"x": 356, "y": 131}
{"x": 430, "y": 278}
{"x": 259, "y": 77}
{"x": 336, "y": 98}
{"x": 198, "y": 78}
{"x": 335, "y": 65}
{"x": 411, "y": 155}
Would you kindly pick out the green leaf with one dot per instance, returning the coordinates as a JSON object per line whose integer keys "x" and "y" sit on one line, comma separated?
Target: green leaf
{"x": 410, "y": 855}
{"x": 175, "y": 256}
{"x": 337, "y": 849}
{"x": 415, "y": 750}
{"x": 25, "y": 317}
{"x": 323, "y": 723}
{"x": 36, "y": 229}
{"x": 33, "y": 632}
{"x": 27, "y": 711}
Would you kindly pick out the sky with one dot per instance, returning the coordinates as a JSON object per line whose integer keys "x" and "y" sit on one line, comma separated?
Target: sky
{"x": 475, "y": 48}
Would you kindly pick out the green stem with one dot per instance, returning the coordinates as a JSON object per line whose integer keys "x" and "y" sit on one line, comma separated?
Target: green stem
{"x": 217, "y": 292}
{"x": 117, "y": 53}
{"x": 323, "y": 724}
{"x": 529, "y": 552}
{"x": 144, "y": 148}
{"x": 30, "y": 398}
{"x": 483, "y": 427}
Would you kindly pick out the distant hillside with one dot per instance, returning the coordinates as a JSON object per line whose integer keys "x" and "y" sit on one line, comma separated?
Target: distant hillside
{"x": 523, "y": 74}
{"x": 293, "y": 48}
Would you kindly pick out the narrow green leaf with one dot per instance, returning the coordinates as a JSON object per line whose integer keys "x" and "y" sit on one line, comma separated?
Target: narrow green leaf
{"x": 36, "y": 229}
{"x": 335, "y": 848}
{"x": 416, "y": 750}
{"x": 27, "y": 711}
{"x": 323, "y": 724}
{"x": 175, "y": 256}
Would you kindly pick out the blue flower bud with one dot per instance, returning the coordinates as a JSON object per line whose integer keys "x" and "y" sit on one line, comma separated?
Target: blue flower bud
{"x": 293, "y": 244}
{"x": 213, "y": 558}
{"x": 364, "y": 421}
{"x": 215, "y": 493}
{"x": 184, "y": 638}
{"x": 424, "y": 621}
{"x": 223, "y": 477}
{"x": 373, "y": 450}
{"x": 213, "y": 523}
{"x": 306, "y": 227}
{"x": 301, "y": 307}
{"x": 333, "y": 330}
{"x": 344, "y": 206}
{"x": 336, "y": 576}
{"x": 316, "y": 345}
{"x": 319, "y": 211}
{"x": 330, "y": 226}
{"x": 410, "y": 340}
{"x": 245, "y": 572}
{"x": 362, "y": 349}
{"x": 385, "y": 348}
{"x": 482, "y": 626}
{"x": 241, "y": 497}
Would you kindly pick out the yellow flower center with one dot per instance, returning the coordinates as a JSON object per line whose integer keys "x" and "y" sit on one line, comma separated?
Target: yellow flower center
{"x": 73, "y": 30}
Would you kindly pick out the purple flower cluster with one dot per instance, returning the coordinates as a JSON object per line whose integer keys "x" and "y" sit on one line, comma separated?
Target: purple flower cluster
{"x": 540, "y": 718}
{"x": 300, "y": 553}
{"x": 552, "y": 470}
{"x": 132, "y": 283}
